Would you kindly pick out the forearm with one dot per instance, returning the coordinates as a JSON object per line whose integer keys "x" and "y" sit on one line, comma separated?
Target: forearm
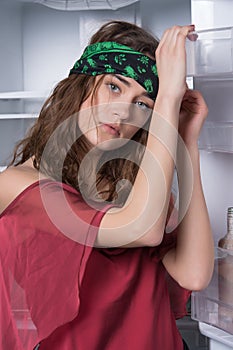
{"x": 141, "y": 221}
{"x": 194, "y": 254}
{"x": 152, "y": 188}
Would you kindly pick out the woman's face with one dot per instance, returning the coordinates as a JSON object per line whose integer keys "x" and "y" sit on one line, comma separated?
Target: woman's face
{"x": 117, "y": 110}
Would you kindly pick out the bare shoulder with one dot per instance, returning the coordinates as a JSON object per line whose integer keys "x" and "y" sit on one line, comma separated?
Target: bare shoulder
{"x": 13, "y": 181}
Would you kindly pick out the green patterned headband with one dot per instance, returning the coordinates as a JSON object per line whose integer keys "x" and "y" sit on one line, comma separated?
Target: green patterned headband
{"x": 113, "y": 58}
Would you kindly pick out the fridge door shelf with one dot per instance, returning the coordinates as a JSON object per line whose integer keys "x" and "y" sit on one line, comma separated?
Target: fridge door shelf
{"x": 217, "y": 137}
{"x": 214, "y": 305}
{"x": 219, "y": 339}
{"x": 209, "y": 52}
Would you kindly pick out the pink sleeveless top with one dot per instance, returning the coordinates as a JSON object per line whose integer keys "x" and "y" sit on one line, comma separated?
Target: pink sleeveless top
{"x": 56, "y": 289}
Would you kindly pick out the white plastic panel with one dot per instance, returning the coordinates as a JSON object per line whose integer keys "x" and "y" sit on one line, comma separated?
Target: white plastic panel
{"x": 211, "y": 53}
{"x": 217, "y": 136}
{"x": 217, "y": 132}
{"x": 208, "y": 14}
{"x": 218, "y": 94}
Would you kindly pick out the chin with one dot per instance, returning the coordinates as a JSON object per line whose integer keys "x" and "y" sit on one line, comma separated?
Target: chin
{"x": 110, "y": 145}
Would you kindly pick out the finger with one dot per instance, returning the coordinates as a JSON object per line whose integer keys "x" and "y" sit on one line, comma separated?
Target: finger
{"x": 165, "y": 35}
{"x": 194, "y": 94}
{"x": 163, "y": 40}
{"x": 184, "y": 30}
{"x": 183, "y": 33}
{"x": 187, "y": 29}
{"x": 192, "y": 36}
{"x": 192, "y": 99}
{"x": 170, "y": 36}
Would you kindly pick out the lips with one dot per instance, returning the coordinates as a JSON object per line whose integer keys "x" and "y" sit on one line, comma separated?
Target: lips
{"x": 111, "y": 129}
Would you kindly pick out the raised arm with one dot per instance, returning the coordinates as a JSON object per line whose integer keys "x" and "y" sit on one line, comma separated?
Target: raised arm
{"x": 191, "y": 263}
{"x": 141, "y": 221}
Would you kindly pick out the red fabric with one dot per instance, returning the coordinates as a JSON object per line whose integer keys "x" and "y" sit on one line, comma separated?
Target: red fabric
{"x": 57, "y": 289}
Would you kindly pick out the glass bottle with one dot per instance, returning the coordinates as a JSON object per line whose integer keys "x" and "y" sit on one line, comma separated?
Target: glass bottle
{"x": 226, "y": 242}
{"x": 225, "y": 276}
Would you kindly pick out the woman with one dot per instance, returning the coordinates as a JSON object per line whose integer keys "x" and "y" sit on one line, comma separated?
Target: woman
{"x": 87, "y": 199}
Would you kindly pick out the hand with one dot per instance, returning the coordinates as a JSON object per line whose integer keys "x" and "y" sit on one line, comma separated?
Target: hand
{"x": 171, "y": 62}
{"x": 193, "y": 113}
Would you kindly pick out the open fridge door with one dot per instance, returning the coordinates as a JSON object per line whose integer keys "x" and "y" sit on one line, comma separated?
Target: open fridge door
{"x": 212, "y": 70}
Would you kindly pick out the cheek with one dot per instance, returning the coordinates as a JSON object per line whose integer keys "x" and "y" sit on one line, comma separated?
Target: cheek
{"x": 92, "y": 137}
{"x": 87, "y": 125}
{"x": 131, "y": 131}
{"x": 139, "y": 117}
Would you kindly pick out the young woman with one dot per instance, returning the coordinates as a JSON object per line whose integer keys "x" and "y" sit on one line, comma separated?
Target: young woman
{"x": 86, "y": 260}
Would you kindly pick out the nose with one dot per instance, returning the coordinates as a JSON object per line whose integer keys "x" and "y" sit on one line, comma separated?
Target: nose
{"x": 122, "y": 111}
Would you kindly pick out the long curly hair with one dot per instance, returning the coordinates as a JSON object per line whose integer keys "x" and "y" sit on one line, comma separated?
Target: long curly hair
{"x": 60, "y": 156}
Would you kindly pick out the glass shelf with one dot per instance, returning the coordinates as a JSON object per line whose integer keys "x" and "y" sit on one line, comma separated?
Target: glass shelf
{"x": 217, "y": 137}
{"x": 31, "y": 95}
{"x": 21, "y": 104}
{"x": 214, "y": 305}
{"x": 18, "y": 116}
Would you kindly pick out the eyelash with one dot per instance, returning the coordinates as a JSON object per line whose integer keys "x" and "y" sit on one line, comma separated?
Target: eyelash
{"x": 113, "y": 86}
{"x": 142, "y": 104}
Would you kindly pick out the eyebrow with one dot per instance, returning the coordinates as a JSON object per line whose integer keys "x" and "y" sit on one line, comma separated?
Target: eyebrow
{"x": 119, "y": 77}
{"x": 127, "y": 83}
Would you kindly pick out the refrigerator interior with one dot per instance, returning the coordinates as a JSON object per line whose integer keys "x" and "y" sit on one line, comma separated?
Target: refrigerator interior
{"x": 213, "y": 306}
{"x": 42, "y": 43}
{"x": 39, "y": 46}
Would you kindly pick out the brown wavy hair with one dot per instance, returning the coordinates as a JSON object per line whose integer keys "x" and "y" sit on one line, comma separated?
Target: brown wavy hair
{"x": 62, "y": 160}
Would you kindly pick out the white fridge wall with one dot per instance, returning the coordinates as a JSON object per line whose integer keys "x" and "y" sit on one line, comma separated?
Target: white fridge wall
{"x": 50, "y": 45}
{"x": 207, "y": 14}
{"x": 53, "y": 40}
{"x": 158, "y": 15}
{"x": 11, "y": 63}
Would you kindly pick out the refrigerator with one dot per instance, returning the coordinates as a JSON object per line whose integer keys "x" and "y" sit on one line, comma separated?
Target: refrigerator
{"x": 41, "y": 39}
{"x": 210, "y": 70}
{"x": 212, "y": 60}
